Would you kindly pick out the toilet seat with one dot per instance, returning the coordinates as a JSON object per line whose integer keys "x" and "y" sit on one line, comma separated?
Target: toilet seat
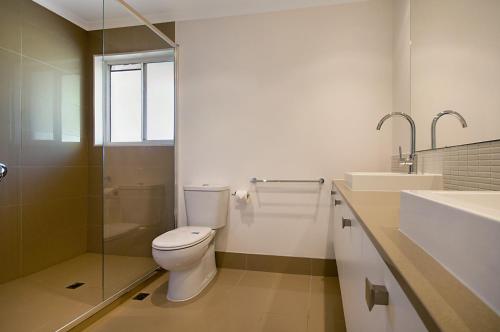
{"x": 181, "y": 238}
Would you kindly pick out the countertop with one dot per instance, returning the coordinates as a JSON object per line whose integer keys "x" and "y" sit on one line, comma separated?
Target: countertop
{"x": 441, "y": 300}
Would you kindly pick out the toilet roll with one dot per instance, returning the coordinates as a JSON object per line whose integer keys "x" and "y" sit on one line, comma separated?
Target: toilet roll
{"x": 241, "y": 195}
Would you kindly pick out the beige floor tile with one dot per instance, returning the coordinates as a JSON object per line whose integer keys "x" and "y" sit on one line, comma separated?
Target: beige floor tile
{"x": 289, "y": 302}
{"x": 294, "y": 282}
{"x": 131, "y": 321}
{"x": 236, "y": 301}
{"x": 228, "y": 277}
{"x": 325, "y": 312}
{"x": 240, "y": 322}
{"x": 283, "y": 323}
{"x": 44, "y": 298}
{"x": 242, "y": 299}
{"x": 256, "y": 279}
{"x": 328, "y": 324}
{"x": 325, "y": 284}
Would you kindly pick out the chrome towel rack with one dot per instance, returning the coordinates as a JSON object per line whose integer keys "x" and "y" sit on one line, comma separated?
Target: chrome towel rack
{"x": 255, "y": 180}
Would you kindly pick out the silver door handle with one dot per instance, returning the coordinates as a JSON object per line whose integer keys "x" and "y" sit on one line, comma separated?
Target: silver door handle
{"x": 375, "y": 294}
{"x": 3, "y": 171}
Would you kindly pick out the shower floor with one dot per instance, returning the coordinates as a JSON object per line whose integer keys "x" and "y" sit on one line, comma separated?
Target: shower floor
{"x": 41, "y": 301}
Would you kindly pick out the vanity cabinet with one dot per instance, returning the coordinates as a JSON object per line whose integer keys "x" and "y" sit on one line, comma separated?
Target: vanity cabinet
{"x": 360, "y": 267}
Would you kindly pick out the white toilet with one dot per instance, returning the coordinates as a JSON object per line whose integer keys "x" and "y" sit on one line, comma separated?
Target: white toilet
{"x": 188, "y": 253}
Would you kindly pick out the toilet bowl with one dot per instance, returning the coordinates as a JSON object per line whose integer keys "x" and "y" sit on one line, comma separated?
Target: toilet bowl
{"x": 188, "y": 252}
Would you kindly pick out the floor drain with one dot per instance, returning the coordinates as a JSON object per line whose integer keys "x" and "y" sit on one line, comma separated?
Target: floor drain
{"x": 75, "y": 285}
{"x": 141, "y": 296}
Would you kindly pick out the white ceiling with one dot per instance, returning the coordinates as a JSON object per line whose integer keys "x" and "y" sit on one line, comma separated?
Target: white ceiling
{"x": 88, "y": 14}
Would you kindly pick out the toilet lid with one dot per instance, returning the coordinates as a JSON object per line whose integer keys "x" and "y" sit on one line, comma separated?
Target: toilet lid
{"x": 181, "y": 237}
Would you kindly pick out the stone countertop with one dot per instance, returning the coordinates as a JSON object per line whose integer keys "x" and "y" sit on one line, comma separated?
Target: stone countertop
{"x": 441, "y": 300}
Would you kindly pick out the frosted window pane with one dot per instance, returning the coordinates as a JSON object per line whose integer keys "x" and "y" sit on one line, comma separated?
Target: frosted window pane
{"x": 126, "y": 67}
{"x": 126, "y": 122}
{"x": 160, "y": 101}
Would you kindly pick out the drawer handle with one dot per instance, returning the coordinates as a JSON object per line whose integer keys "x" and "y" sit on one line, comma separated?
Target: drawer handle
{"x": 333, "y": 192}
{"x": 375, "y": 294}
{"x": 346, "y": 222}
{"x": 337, "y": 202}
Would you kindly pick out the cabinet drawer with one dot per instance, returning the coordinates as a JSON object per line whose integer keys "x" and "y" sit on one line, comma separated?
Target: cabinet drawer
{"x": 401, "y": 316}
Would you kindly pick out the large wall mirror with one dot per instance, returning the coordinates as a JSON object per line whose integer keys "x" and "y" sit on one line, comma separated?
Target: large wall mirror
{"x": 455, "y": 65}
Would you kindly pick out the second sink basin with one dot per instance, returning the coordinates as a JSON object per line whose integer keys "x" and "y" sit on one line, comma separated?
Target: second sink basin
{"x": 461, "y": 230}
{"x": 374, "y": 181}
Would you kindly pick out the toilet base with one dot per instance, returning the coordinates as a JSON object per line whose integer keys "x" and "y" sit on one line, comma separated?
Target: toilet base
{"x": 187, "y": 284}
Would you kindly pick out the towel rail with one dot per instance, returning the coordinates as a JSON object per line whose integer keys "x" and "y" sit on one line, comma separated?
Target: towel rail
{"x": 255, "y": 180}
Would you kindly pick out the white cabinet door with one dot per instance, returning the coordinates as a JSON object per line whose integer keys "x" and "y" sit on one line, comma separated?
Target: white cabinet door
{"x": 341, "y": 247}
{"x": 338, "y": 206}
{"x": 401, "y": 316}
{"x": 373, "y": 270}
{"x": 357, "y": 260}
{"x": 352, "y": 236}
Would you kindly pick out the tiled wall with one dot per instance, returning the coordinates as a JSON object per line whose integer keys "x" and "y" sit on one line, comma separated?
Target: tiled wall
{"x": 43, "y": 200}
{"x": 132, "y": 167}
{"x": 51, "y": 203}
{"x": 465, "y": 167}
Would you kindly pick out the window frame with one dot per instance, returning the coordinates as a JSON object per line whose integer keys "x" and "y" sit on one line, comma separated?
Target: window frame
{"x": 142, "y": 58}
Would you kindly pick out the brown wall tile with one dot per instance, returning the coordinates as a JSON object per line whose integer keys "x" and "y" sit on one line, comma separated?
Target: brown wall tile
{"x": 10, "y": 243}
{"x": 324, "y": 267}
{"x": 278, "y": 264}
{"x": 230, "y": 260}
{"x": 10, "y": 25}
{"x": 281, "y": 264}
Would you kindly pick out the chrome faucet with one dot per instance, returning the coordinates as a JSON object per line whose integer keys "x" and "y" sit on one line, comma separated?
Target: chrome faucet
{"x": 411, "y": 161}
{"x": 437, "y": 117}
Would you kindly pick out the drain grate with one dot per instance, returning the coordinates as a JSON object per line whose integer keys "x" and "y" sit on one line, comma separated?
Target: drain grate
{"x": 75, "y": 285}
{"x": 141, "y": 296}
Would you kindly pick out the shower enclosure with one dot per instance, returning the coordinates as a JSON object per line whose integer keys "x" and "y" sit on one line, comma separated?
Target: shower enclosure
{"x": 87, "y": 136}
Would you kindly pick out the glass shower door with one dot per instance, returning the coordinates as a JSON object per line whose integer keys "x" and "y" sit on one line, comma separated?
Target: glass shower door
{"x": 138, "y": 147}
{"x": 48, "y": 275}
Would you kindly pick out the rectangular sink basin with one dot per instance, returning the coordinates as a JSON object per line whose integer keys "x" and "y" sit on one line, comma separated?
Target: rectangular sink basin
{"x": 373, "y": 181}
{"x": 461, "y": 230}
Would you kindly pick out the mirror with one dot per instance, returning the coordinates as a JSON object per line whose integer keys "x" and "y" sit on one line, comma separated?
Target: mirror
{"x": 455, "y": 65}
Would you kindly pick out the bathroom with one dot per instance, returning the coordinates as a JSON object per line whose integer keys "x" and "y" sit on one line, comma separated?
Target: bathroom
{"x": 279, "y": 165}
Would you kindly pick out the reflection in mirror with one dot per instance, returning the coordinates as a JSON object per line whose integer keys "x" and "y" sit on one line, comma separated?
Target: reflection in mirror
{"x": 455, "y": 65}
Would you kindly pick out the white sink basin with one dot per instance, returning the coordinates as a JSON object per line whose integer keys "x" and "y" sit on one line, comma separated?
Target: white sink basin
{"x": 461, "y": 230}
{"x": 373, "y": 181}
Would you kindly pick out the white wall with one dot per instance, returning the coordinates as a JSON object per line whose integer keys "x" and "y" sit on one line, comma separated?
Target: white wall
{"x": 294, "y": 94}
{"x": 401, "y": 79}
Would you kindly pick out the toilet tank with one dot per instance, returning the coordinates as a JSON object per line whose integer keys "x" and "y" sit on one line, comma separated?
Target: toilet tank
{"x": 206, "y": 205}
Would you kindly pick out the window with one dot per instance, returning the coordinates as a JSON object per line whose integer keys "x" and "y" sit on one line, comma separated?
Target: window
{"x": 140, "y": 90}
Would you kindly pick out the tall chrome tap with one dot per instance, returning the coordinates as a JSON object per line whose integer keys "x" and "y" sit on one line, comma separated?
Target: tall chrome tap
{"x": 437, "y": 117}
{"x": 411, "y": 161}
